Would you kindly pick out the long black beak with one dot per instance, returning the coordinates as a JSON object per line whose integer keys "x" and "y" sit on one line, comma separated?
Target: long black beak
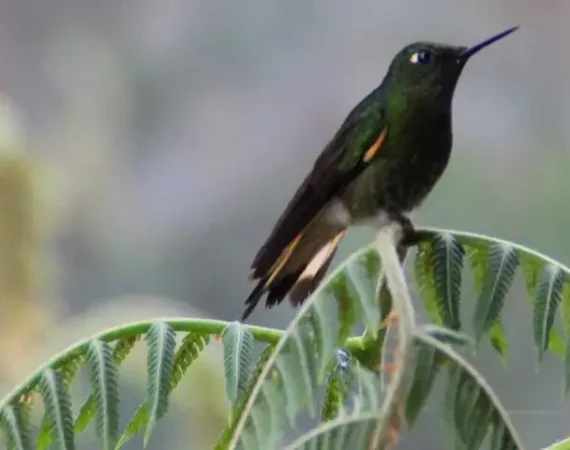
{"x": 471, "y": 51}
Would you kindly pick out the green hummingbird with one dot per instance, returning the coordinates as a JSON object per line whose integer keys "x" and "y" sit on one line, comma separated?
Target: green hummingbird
{"x": 388, "y": 154}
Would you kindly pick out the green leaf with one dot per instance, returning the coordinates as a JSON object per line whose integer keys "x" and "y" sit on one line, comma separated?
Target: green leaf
{"x": 498, "y": 339}
{"x": 363, "y": 283}
{"x": 58, "y": 407}
{"x": 70, "y": 368}
{"x": 161, "y": 344}
{"x": 121, "y": 350}
{"x": 548, "y": 298}
{"x": 442, "y": 276}
{"x": 67, "y": 371}
{"x": 15, "y": 420}
{"x": 103, "y": 377}
{"x": 337, "y": 390}
{"x": 428, "y": 363}
{"x": 44, "y": 438}
{"x": 471, "y": 408}
{"x": 532, "y": 269}
{"x": 499, "y": 276}
{"x": 258, "y": 368}
{"x": 446, "y": 335}
{"x": 566, "y": 307}
{"x": 188, "y": 352}
{"x": 139, "y": 420}
{"x": 289, "y": 382}
{"x": 556, "y": 344}
{"x": 238, "y": 359}
{"x": 362, "y": 428}
{"x": 478, "y": 256}
{"x": 347, "y": 312}
{"x": 423, "y": 272}
{"x": 353, "y": 432}
{"x": 325, "y": 325}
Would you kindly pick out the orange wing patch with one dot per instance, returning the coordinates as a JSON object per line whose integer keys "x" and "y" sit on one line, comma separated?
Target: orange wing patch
{"x": 375, "y": 147}
{"x": 283, "y": 259}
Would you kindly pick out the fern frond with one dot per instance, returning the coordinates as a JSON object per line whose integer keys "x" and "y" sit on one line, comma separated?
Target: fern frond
{"x": 498, "y": 339}
{"x": 103, "y": 377}
{"x": 438, "y": 267}
{"x": 188, "y": 352}
{"x": 55, "y": 395}
{"x": 499, "y": 276}
{"x": 423, "y": 271}
{"x": 139, "y": 419}
{"x": 258, "y": 367}
{"x": 362, "y": 276}
{"x": 238, "y": 359}
{"x": 494, "y": 263}
{"x": 161, "y": 341}
{"x": 121, "y": 350}
{"x": 15, "y": 422}
{"x": 338, "y": 387}
{"x": 289, "y": 382}
{"x": 548, "y": 298}
{"x": 472, "y": 410}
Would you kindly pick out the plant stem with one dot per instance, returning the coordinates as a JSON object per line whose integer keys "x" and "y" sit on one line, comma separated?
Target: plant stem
{"x": 387, "y": 240}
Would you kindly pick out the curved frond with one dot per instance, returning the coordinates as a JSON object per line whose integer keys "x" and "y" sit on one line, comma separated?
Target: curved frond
{"x": 548, "y": 298}
{"x": 258, "y": 367}
{"x": 338, "y": 387}
{"x": 361, "y": 427}
{"x": 52, "y": 382}
{"x": 362, "y": 275}
{"x": 494, "y": 263}
{"x": 161, "y": 344}
{"x": 438, "y": 267}
{"x": 87, "y": 411}
{"x": 502, "y": 265}
{"x": 289, "y": 382}
{"x": 57, "y": 402}
{"x": 103, "y": 377}
{"x": 238, "y": 359}
{"x": 188, "y": 351}
{"x": 15, "y": 423}
{"x": 472, "y": 409}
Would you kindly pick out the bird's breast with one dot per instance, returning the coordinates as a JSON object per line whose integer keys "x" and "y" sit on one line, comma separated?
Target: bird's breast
{"x": 400, "y": 180}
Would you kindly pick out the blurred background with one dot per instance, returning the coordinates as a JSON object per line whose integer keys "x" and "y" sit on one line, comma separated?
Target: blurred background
{"x": 153, "y": 145}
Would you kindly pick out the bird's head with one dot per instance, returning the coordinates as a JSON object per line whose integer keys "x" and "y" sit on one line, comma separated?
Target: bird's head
{"x": 431, "y": 70}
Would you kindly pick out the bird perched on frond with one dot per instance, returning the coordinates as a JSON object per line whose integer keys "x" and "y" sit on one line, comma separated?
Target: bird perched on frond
{"x": 388, "y": 154}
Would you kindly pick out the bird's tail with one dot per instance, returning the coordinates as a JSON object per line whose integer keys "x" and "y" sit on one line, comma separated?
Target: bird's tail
{"x": 297, "y": 271}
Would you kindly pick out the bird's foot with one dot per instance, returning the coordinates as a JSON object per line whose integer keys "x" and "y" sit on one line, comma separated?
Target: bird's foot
{"x": 410, "y": 236}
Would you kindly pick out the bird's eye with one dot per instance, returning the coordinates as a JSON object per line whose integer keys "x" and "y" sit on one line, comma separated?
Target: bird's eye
{"x": 420, "y": 57}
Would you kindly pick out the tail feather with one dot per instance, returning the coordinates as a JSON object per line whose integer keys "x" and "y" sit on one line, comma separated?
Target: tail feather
{"x": 315, "y": 271}
{"x": 299, "y": 282}
{"x": 276, "y": 292}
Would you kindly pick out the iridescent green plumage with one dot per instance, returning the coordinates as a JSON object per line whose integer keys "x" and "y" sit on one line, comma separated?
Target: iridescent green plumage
{"x": 385, "y": 159}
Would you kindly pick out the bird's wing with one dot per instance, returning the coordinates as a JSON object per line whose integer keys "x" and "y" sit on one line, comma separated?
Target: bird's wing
{"x": 351, "y": 150}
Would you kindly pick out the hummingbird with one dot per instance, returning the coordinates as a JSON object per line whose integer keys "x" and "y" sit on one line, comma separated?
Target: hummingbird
{"x": 381, "y": 164}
